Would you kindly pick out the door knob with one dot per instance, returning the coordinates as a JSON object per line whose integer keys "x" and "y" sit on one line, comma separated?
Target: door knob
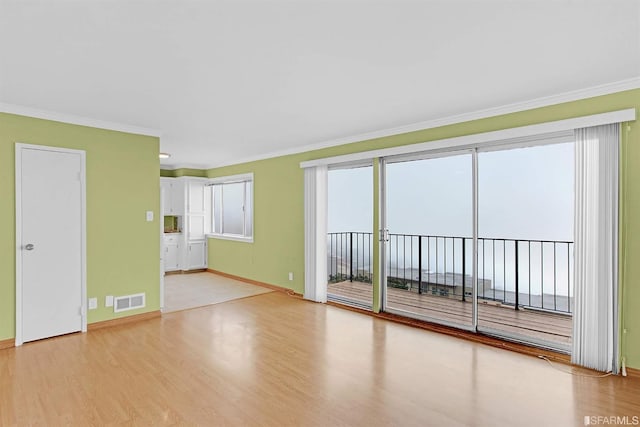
{"x": 29, "y": 246}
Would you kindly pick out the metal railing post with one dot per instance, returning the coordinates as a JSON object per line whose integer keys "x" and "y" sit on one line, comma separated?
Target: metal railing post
{"x": 464, "y": 268}
{"x": 517, "y": 279}
{"x": 419, "y": 264}
{"x": 351, "y": 256}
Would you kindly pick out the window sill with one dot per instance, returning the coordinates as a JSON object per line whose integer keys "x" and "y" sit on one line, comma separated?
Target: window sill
{"x": 230, "y": 237}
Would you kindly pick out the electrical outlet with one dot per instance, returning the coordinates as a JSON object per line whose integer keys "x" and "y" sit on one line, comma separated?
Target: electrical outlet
{"x": 290, "y": 275}
{"x": 93, "y": 303}
{"x": 149, "y": 216}
{"x": 108, "y": 301}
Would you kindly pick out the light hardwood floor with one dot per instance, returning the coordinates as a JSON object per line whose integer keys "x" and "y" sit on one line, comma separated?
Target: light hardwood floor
{"x": 276, "y": 360}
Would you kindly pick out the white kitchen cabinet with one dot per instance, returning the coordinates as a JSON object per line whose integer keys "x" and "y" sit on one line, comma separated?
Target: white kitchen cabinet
{"x": 190, "y": 199}
{"x": 173, "y": 190}
{"x": 196, "y": 227}
{"x": 198, "y": 197}
{"x": 196, "y": 254}
{"x": 172, "y": 252}
{"x": 196, "y": 203}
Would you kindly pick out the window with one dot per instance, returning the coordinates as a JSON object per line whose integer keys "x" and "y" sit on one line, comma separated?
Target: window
{"x": 232, "y": 207}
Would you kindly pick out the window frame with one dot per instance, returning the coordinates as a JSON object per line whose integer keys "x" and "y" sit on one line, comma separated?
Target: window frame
{"x": 248, "y": 215}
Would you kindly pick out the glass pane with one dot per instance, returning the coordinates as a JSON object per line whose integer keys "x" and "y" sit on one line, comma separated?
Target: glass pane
{"x": 525, "y": 247}
{"x": 350, "y": 239}
{"x": 217, "y": 209}
{"x": 233, "y": 208}
{"x": 429, "y": 251}
{"x": 249, "y": 208}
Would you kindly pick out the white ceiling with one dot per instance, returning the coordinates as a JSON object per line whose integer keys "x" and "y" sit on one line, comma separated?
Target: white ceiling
{"x": 226, "y": 81}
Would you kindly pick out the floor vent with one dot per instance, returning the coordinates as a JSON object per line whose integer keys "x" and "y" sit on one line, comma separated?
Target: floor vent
{"x": 128, "y": 302}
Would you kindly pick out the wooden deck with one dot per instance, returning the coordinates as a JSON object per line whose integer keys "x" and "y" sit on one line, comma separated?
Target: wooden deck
{"x": 549, "y": 327}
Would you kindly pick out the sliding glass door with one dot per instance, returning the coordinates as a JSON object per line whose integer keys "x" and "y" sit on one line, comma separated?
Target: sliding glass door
{"x": 350, "y": 237}
{"x": 525, "y": 243}
{"x": 428, "y": 251}
{"x": 483, "y": 239}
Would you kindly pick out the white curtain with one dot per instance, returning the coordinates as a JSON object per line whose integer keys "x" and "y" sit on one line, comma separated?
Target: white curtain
{"x": 315, "y": 236}
{"x": 595, "y": 326}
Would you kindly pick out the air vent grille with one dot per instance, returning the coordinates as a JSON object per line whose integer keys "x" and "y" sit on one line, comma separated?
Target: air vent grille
{"x": 128, "y": 302}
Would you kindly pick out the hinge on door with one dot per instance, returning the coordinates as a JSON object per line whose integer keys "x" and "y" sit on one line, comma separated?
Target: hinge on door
{"x": 384, "y": 235}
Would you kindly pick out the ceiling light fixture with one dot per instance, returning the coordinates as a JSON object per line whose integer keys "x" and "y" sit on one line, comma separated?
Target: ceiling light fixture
{"x": 164, "y": 155}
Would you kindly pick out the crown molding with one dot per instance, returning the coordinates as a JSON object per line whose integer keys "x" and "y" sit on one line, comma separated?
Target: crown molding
{"x": 576, "y": 95}
{"x": 76, "y": 120}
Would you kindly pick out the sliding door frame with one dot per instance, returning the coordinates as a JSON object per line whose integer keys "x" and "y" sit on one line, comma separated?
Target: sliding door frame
{"x": 565, "y": 137}
{"x": 337, "y": 298}
{"x": 384, "y": 233}
{"x": 515, "y": 337}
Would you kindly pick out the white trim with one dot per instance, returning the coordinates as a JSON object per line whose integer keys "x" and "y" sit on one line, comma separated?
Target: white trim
{"x": 475, "y": 229}
{"x": 360, "y": 164}
{"x": 433, "y": 154}
{"x": 18, "y": 241}
{"x": 230, "y": 179}
{"x": 162, "y": 246}
{"x": 478, "y": 139}
{"x": 534, "y": 141}
{"x": 83, "y": 226}
{"x": 233, "y": 237}
{"x": 76, "y": 120}
{"x": 575, "y": 95}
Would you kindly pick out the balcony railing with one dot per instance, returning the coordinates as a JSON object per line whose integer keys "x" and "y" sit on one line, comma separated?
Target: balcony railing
{"x": 350, "y": 255}
{"x": 535, "y": 274}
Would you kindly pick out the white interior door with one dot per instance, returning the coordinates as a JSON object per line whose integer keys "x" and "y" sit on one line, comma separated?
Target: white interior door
{"x": 50, "y": 223}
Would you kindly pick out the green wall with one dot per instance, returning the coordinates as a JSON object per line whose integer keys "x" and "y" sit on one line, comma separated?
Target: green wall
{"x": 278, "y": 245}
{"x": 122, "y": 183}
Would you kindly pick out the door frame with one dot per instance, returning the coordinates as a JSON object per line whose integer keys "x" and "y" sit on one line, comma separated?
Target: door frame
{"x": 162, "y": 245}
{"x": 19, "y": 147}
{"x": 384, "y": 232}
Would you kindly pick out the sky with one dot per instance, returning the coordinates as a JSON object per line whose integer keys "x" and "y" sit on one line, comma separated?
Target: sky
{"x": 523, "y": 193}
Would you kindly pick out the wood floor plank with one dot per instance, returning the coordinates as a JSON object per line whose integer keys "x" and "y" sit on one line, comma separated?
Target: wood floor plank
{"x": 277, "y": 360}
